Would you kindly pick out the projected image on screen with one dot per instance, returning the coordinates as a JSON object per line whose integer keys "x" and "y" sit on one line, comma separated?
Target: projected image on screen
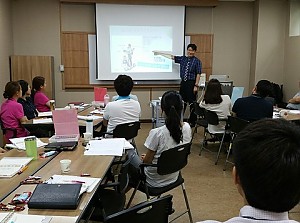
{"x": 132, "y": 48}
{"x": 128, "y": 36}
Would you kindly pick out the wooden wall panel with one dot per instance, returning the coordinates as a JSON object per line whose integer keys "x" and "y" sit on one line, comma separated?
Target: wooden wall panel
{"x": 75, "y": 59}
{"x": 204, "y": 52}
{"x": 205, "y": 3}
{"x": 27, "y": 67}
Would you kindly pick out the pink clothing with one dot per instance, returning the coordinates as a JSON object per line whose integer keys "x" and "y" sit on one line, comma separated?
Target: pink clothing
{"x": 11, "y": 112}
{"x": 40, "y": 101}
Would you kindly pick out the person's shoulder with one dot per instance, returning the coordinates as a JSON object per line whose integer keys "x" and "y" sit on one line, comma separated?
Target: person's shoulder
{"x": 225, "y": 97}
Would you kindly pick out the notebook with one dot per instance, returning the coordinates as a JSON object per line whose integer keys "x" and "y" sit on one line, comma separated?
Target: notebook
{"x": 65, "y": 125}
{"x": 99, "y": 93}
{"x": 61, "y": 146}
{"x": 8, "y": 217}
{"x": 55, "y": 196}
{"x": 10, "y": 166}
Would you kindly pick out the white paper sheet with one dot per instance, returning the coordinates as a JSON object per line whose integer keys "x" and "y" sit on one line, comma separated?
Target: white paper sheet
{"x": 42, "y": 120}
{"x": 23, "y": 218}
{"x": 9, "y": 166}
{"x": 83, "y": 117}
{"x": 20, "y": 143}
{"x": 105, "y": 147}
{"x": 45, "y": 114}
{"x": 88, "y": 185}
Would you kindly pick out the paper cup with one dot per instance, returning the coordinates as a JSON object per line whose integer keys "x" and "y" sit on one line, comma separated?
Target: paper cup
{"x": 65, "y": 165}
{"x": 87, "y": 136}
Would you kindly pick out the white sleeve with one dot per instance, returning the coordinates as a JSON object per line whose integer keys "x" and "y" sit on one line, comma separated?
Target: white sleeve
{"x": 152, "y": 140}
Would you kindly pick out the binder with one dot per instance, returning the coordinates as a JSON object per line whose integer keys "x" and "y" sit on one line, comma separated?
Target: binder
{"x": 55, "y": 196}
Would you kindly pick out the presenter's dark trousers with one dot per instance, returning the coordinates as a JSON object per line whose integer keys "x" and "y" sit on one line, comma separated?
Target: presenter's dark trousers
{"x": 189, "y": 97}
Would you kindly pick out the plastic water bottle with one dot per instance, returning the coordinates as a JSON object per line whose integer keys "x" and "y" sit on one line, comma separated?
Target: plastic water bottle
{"x": 106, "y": 99}
{"x": 89, "y": 125}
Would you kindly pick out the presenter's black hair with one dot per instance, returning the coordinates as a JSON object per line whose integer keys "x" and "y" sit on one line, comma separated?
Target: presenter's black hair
{"x": 171, "y": 105}
{"x": 24, "y": 86}
{"x": 123, "y": 85}
{"x": 193, "y": 46}
{"x": 213, "y": 92}
{"x": 11, "y": 88}
{"x": 267, "y": 159}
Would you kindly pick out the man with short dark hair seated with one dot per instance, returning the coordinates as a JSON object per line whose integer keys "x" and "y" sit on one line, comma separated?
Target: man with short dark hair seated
{"x": 124, "y": 109}
{"x": 267, "y": 171}
{"x": 255, "y": 106}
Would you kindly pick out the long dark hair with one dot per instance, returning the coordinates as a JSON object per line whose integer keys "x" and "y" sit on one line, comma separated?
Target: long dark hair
{"x": 11, "y": 88}
{"x": 213, "y": 92}
{"x": 37, "y": 82}
{"x": 171, "y": 104}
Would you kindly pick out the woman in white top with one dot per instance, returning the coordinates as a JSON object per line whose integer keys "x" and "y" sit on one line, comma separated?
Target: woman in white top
{"x": 215, "y": 101}
{"x": 173, "y": 133}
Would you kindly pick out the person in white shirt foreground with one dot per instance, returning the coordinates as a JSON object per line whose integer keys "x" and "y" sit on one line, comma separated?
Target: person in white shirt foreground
{"x": 267, "y": 171}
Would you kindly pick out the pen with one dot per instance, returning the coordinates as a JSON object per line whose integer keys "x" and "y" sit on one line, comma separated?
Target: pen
{"x": 47, "y": 154}
{"x": 22, "y": 169}
{"x": 75, "y": 181}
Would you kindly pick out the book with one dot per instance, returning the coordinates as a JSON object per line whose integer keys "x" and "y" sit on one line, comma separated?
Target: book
{"x": 55, "y": 196}
{"x": 23, "y": 218}
{"x": 10, "y": 166}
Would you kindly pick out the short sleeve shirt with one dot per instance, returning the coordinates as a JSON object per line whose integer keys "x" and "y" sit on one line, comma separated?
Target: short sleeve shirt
{"x": 159, "y": 140}
{"x": 40, "y": 101}
{"x": 11, "y": 113}
{"x": 121, "y": 111}
{"x": 189, "y": 67}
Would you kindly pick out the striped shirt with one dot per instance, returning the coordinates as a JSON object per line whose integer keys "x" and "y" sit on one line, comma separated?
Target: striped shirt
{"x": 189, "y": 67}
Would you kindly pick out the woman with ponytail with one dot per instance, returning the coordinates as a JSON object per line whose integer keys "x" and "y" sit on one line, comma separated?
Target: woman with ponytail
{"x": 40, "y": 100}
{"x": 11, "y": 113}
{"x": 173, "y": 133}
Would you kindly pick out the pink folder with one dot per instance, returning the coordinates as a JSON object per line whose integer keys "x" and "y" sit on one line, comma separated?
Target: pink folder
{"x": 65, "y": 122}
{"x": 99, "y": 93}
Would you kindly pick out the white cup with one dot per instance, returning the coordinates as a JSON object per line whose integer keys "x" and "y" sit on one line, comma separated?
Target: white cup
{"x": 87, "y": 136}
{"x": 72, "y": 106}
{"x": 65, "y": 165}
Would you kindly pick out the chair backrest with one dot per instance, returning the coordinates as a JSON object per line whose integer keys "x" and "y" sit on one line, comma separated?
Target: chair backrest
{"x": 211, "y": 117}
{"x": 173, "y": 159}
{"x": 158, "y": 209}
{"x": 236, "y": 124}
{"x": 198, "y": 110}
{"x": 5, "y": 130}
{"x": 127, "y": 130}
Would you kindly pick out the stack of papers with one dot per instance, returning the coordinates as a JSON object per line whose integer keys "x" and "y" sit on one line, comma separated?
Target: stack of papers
{"x": 42, "y": 120}
{"x": 84, "y": 117}
{"x": 45, "y": 114}
{"x": 88, "y": 183}
{"x": 23, "y": 218}
{"x": 19, "y": 143}
{"x": 10, "y": 166}
{"x": 97, "y": 111}
{"x": 107, "y": 147}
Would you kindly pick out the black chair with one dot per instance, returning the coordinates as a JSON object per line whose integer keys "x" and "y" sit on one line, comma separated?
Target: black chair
{"x": 5, "y": 130}
{"x": 200, "y": 122}
{"x": 212, "y": 119}
{"x": 170, "y": 161}
{"x": 234, "y": 126}
{"x": 110, "y": 197}
{"x": 156, "y": 210}
{"x": 126, "y": 130}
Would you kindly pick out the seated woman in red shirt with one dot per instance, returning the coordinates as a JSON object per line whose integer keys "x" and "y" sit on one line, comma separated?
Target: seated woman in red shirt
{"x": 40, "y": 100}
{"x": 11, "y": 112}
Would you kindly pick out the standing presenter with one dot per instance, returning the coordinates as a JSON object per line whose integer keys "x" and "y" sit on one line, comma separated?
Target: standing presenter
{"x": 190, "y": 71}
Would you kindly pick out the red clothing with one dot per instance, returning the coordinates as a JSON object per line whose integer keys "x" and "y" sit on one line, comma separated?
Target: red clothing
{"x": 11, "y": 112}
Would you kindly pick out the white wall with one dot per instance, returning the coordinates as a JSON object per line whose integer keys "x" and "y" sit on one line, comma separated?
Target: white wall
{"x": 6, "y": 47}
{"x": 271, "y": 40}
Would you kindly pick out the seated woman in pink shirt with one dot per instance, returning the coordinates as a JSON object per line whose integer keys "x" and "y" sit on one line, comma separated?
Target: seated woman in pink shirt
{"x": 11, "y": 112}
{"x": 40, "y": 100}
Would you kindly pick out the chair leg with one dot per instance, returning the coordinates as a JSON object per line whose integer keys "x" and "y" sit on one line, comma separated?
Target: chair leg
{"x": 187, "y": 202}
{"x": 203, "y": 142}
{"x": 220, "y": 148}
{"x": 195, "y": 130}
{"x": 227, "y": 157}
{"x": 132, "y": 195}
